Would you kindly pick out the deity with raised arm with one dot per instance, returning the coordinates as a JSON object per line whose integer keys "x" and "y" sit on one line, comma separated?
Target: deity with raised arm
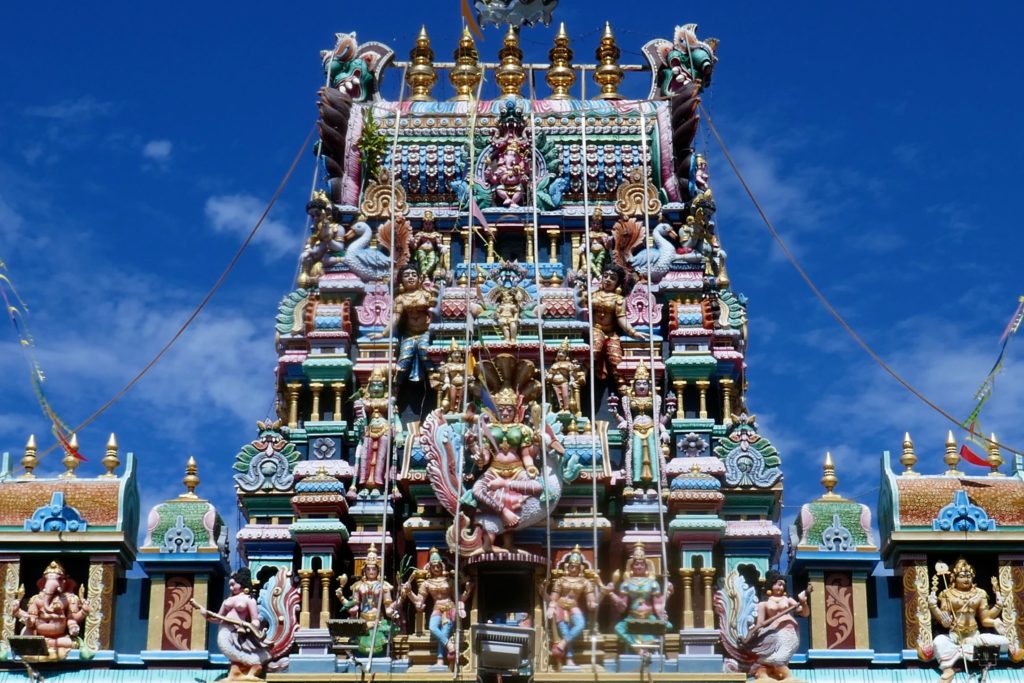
{"x": 639, "y": 595}
{"x": 774, "y": 637}
{"x": 963, "y": 608}
{"x": 239, "y": 636}
{"x": 437, "y": 586}
{"x": 410, "y": 317}
{"x": 56, "y": 613}
{"x": 566, "y": 376}
{"x": 609, "y": 322}
{"x": 574, "y": 589}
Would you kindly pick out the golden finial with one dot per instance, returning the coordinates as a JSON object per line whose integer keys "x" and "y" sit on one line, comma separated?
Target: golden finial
{"x": 995, "y": 458}
{"x": 909, "y": 458}
{"x": 829, "y": 479}
{"x": 560, "y": 75}
{"x": 609, "y": 74}
{"x": 110, "y": 459}
{"x": 29, "y": 461}
{"x": 510, "y": 74}
{"x": 71, "y": 463}
{"x": 191, "y": 480}
{"x": 420, "y": 75}
{"x": 952, "y": 457}
{"x": 466, "y": 74}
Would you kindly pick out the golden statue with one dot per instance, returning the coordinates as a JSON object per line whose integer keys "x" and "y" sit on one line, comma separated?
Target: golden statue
{"x": 566, "y": 377}
{"x": 449, "y": 379}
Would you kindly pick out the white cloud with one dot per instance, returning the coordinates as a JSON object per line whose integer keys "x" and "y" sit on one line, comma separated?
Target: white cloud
{"x": 157, "y": 150}
{"x": 82, "y": 109}
{"x": 236, "y": 214}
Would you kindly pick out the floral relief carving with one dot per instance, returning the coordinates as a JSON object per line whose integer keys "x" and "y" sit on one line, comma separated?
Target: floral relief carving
{"x": 839, "y": 619}
{"x": 177, "y": 614}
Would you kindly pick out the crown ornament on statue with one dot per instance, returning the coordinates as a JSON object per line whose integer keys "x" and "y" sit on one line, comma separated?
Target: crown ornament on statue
{"x": 377, "y": 375}
{"x": 506, "y": 397}
{"x": 962, "y": 567}
{"x": 372, "y": 559}
{"x": 642, "y": 372}
{"x": 54, "y": 568}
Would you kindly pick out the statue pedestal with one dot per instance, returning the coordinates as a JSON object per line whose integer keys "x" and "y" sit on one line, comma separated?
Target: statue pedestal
{"x": 634, "y": 663}
{"x": 314, "y": 655}
{"x": 697, "y": 651}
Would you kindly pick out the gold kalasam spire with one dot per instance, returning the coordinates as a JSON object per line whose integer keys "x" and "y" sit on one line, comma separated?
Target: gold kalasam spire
{"x": 995, "y": 458}
{"x": 110, "y": 459}
{"x": 952, "y": 457}
{"x": 466, "y": 74}
{"x": 191, "y": 479}
{"x": 510, "y": 74}
{"x": 608, "y": 74}
{"x": 29, "y": 461}
{"x": 420, "y": 75}
{"x": 71, "y": 463}
{"x": 909, "y": 458}
{"x": 560, "y": 75}
{"x": 829, "y": 479}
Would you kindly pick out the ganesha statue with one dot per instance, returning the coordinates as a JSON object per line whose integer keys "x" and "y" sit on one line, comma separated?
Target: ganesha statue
{"x": 56, "y": 613}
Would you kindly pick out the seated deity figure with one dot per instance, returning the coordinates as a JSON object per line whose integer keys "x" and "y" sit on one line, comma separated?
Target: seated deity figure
{"x": 376, "y": 434}
{"x": 639, "y": 595}
{"x": 774, "y": 637}
{"x": 436, "y": 585}
{"x": 574, "y": 589}
{"x": 239, "y": 636}
{"x": 637, "y": 412}
{"x": 372, "y": 602}
{"x": 56, "y": 613}
{"x": 410, "y": 317}
{"x": 963, "y": 609}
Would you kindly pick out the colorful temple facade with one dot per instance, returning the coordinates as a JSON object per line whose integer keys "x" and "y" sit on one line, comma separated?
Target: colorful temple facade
{"x": 512, "y": 435}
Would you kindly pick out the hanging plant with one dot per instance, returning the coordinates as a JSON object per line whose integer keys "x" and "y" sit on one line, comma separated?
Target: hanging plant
{"x": 372, "y": 145}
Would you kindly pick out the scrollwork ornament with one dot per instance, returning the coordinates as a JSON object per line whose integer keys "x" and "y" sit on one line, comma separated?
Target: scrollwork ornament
{"x": 94, "y": 619}
{"x": 377, "y": 197}
{"x": 631, "y": 196}
{"x": 8, "y": 592}
{"x": 1010, "y": 617}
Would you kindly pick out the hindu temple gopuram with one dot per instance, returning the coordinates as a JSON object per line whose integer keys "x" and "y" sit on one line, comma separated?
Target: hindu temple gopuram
{"x": 512, "y": 438}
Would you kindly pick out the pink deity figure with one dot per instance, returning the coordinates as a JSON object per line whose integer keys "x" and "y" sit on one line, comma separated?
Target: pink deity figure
{"x": 55, "y": 612}
{"x": 437, "y": 586}
{"x": 374, "y": 448}
{"x": 509, "y": 172}
{"x": 574, "y": 588}
{"x": 239, "y": 636}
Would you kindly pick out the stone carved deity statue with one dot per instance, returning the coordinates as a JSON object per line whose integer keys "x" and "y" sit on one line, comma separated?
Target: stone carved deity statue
{"x": 376, "y": 433}
{"x": 239, "y": 636}
{"x": 437, "y": 586}
{"x": 774, "y": 637}
{"x": 609, "y": 322}
{"x": 638, "y": 411}
{"x": 449, "y": 379}
{"x": 639, "y": 595}
{"x": 574, "y": 588}
{"x": 963, "y": 609}
{"x": 566, "y": 377}
{"x": 372, "y": 602}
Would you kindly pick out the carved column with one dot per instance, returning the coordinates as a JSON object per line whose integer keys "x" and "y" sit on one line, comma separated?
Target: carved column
{"x": 316, "y": 388}
{"x": 707, "y": 577}
{"x": 339, "y": 390}
{"x": 446, "y": 254}
{"x": 687, "y": 575}
{"x": 576, "y": 253}
{"x": 305, "y": 576}
{"x": 490, "y": 244}
{"x": 553, "y": 236}
{"x": 726, "y": 385}
{"x": 680, "y": 385}
{"x": 703, "y": 385}
{"x": 325, "y": 601}
{"x": 10, "y": 570}
{"x": 293, "y": 404}
{"x": 528, "y": 232}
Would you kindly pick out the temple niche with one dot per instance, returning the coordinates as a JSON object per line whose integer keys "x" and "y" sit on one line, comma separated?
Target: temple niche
{"x": 511, "y": 438}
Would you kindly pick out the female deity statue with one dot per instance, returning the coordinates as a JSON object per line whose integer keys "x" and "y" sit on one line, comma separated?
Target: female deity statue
{"x": 428, "y": 247}
{"x": 437, "y": 585}
{"x": 962, "y": 609}
{"x": 239, "y": 635}
{"x": 566, "y": 377}
{"x": 598, "y": 253}
{"x": 371, "y": 596}
{"x": 774, "y": 636}
{"x": 410, "y": 315}
{"x": 574, "y": 588}
{"x": 55, "y": 612}
{"x": 640, "y": 596}
{"x": 609, "y": 321}
{"x": 637, "y": 412}
{"x": 375, "y": 434}
{"x": 450, "y": 379}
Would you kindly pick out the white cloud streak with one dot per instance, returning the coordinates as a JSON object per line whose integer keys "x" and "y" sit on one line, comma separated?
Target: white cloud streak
{"x": 236, "y": 214}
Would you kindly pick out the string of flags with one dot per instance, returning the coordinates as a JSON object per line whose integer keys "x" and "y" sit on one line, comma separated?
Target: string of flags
{"x": 16, "y": 314}
{"x": 972, "y": 423}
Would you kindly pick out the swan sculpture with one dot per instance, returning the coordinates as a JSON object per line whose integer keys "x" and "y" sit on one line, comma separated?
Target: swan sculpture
{"x": 655, "y": 260}
{"x": 365, "y": 261}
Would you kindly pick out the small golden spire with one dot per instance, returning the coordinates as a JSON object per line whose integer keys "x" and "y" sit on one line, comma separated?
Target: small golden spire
{"x": 71, "y": 463}
{"x": 995, "y": 458}
{"x": 909, "y": 457}
{"x": 609, "y": 74}
{"x": 952, "y": 457}
{"x": 466, "y": 74}
{"x": 110, "y": 459}
{"x": 420, "y": 75}
{"x": 829, "y": 480}
{"x": 560, "y": 75}
{"x": 29, "y": 461}
{"x": 191, "y": 480}
{"x": 510, "y": 74}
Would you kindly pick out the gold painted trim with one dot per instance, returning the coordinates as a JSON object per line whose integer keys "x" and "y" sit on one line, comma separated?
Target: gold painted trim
{"x": 154, "y": 631}
{"x": 200, "y": 593}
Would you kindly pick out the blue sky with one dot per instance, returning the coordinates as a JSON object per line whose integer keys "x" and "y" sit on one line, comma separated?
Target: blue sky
{"x": 138, "y": 144}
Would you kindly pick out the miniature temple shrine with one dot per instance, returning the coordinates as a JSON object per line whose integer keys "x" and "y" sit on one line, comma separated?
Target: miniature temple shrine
{"x": 512, "y": 438}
